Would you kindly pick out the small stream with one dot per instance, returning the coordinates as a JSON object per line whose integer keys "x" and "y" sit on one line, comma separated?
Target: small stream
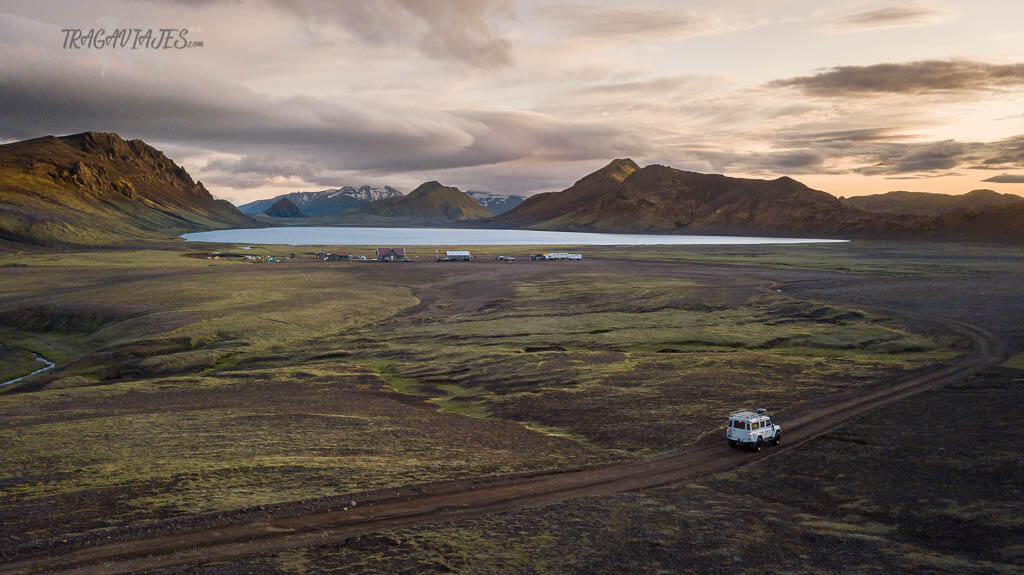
{"x": 48, "y": 365}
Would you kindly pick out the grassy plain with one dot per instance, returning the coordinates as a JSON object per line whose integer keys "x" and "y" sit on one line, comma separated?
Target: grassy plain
{"x": 16, "y": 362}
{"x": 194, "y": 386}
{"x": 638, "y": 364}
{"x": 191, "y": 386}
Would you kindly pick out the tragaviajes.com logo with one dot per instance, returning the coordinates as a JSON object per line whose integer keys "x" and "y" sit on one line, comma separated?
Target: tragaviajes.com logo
{"x": 128, "y": 39}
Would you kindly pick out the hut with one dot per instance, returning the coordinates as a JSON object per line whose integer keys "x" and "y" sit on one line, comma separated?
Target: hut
{"x": 391, "y": 255}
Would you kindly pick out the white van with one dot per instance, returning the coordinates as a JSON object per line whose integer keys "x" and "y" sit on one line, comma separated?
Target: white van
{"x": 752, "y": 429}
{"x": 564, "y": 256}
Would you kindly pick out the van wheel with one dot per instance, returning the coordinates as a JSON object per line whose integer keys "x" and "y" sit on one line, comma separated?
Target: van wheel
{"x": 759, "y": 445}
{"x": 732, "y": 443}
{"x": 778, "y": 438}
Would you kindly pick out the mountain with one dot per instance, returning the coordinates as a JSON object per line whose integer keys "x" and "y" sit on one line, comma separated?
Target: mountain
{"x": 495, "y": 203}
{"x": 545, "y": 207}
{"x": 284, "y": 208}
{"x": 1003, "y": 223}
{"x": 98, "y": 189}
{"x": 430, "y": 200}
{"x": 927, "y": 204}
{"x": 326, "y": 202}
{"x": 622, "y": 197}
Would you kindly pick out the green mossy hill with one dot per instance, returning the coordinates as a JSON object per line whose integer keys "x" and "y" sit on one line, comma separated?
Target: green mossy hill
{"x": 99, "y": 189}
{"x": 431, "y": 200}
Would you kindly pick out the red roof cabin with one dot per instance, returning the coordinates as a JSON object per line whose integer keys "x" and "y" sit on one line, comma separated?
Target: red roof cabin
{"x": 391, "y": 255}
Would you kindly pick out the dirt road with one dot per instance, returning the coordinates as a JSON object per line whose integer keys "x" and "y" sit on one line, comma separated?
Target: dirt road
{"x": 468, "y": 498}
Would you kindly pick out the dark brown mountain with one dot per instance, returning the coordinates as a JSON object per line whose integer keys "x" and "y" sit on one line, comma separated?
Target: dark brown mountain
{"x": 621, "y": 197}
{"x": 992, "y": 224}
{"x": 430, "y": 200}
{"x": 541, "y": 208}
{"x": 928, "y": 204}
{"x": 284, "y": 208}
{"x": 98, "y": 189}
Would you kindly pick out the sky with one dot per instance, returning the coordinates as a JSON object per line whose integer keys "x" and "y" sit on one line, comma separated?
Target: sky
{"x": 519, "y": 97}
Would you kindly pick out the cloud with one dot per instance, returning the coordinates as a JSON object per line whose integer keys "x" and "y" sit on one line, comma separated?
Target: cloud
{"x": 483, "y": 139}
{"x": 920, "y": 158}
{"x": 1008, "y": 151}
{"x": 878, "y": 151}
{"x": 920, "y": 77}
{"x": 652, "y": 87}
{"x": 888, "y": 17}
{"x": 719, "y": 160}
{"x": 893, "y": 158}
{"x": 1006, "y": 179}
{"x": 455, "y": 30}
{"x": 840, "y": 139}
{"x": 923, "y": 176}
{"x": 602, "y": 22}
{"x": 264, "y": 138}
{"x": 785, "y": 161}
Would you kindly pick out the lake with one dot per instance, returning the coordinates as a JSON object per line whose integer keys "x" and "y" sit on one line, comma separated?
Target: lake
{"x": 355, "y": 236}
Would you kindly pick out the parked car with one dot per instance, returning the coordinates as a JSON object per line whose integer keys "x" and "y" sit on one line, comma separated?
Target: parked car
{"x": 505, "y": 259}
{"x": 752, "y": 429}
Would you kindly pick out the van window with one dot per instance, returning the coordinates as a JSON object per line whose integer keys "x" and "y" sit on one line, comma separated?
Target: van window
{"x": 756, "y": 425}
{"x": 739, "y": 424}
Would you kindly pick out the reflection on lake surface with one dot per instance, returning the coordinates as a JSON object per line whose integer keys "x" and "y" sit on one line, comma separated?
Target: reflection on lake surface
{"x": 353, "y": 236}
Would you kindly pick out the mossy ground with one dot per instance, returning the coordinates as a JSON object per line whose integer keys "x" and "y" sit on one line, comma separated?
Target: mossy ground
{"x": 16, "y": 362}
{"x": 187, "y": 385}
{"x": 891, "y": 492}
{"x": 635, "y": 364}
{"x": 1015, "y": 362}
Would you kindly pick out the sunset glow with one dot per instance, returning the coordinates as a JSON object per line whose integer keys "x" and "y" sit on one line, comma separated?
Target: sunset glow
{"x": 521, "y": 97}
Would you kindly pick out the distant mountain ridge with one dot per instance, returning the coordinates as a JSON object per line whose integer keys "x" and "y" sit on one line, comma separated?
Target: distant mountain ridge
{"x": 430, "y": 200}
{"x": 496, "y": 203}
{"x": 930, "y": 204}
{"x": 326, "y": 202}
{"x": 284, "y": 208}
{"x": 96, "y": 188}
{"x": 623, "y": 197}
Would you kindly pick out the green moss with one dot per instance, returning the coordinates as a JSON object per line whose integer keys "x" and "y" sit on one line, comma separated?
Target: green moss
{"x": 631, "y": 369}
{"x": 16, "y": 362}
{"x": 1015, "y": 362}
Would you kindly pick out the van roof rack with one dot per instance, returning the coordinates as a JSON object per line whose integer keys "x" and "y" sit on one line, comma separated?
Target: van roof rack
{"x": 757, "y": 411}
